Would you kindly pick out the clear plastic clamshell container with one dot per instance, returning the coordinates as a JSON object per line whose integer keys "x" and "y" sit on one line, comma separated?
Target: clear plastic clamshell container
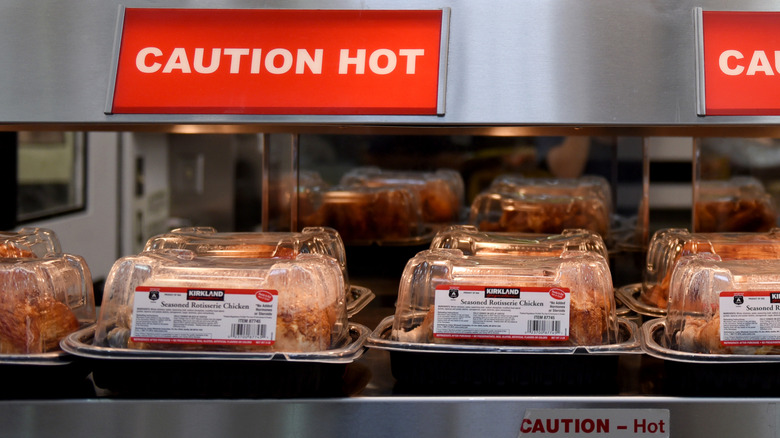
{"x": 543, "y": 205}
{"x": 738, "y": 204}
{"x": 687, "y": 373}
{"x": 471, "y": 241}
{"x": 207, "y": 242}
{"x": 169, "y": 302}
{"x": 448, "y": 298}
{"x": 724, "y": 306}
{"x": 720, "y": 336}
{"x": 669, "y": 245}
{"x": 28, "y": 243}
{"x": 440, "y": 193}
{"x": 46, "y": 294}
{"x": 365, "y": 215}
{"x": 543, "y": 325}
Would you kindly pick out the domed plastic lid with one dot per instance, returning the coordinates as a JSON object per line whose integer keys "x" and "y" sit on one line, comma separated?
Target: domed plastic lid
{"x": 440, "y": 192}
{"x": 539, "y": 212}
{"x": 669, "y": 245}
{"x": 738, "y": 204}
{"x": 175, "y": 300}
{"x": 446, "y": 297}
{"x": 585, "y": 186}
{"x": 43, "y": 299}
{"x": 28, "y": 243}
{"x": 724, "y": 306}
{"x": 471, "y": 241}
{"x": 207, "y": 242}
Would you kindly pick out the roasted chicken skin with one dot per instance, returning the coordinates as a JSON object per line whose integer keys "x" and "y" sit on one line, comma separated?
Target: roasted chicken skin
{"x": 32, "y": 322}
{"x": 702, "y": 335}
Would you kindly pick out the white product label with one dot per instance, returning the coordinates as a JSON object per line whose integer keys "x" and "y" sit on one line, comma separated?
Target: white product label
{"x": 187, "y": 315}
{"x": 750, "y": 318}
{"x": 489, "y": 312}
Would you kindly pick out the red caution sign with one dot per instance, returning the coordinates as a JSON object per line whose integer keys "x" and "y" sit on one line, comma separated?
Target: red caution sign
{"x": 259, "y": 61}
{"x": 741, "y": 63}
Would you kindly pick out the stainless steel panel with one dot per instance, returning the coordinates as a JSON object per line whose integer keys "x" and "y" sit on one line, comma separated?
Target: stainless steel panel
{"x": 443, "y": 50}
{"x": 556, "y": 62}
{"x": 467, "y": 417}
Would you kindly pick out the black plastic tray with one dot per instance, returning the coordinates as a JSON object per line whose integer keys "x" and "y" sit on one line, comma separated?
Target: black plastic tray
{"x": 629, "y": 296}
{"x": 710, "y": 375}
{"x": 489, "y": 370}
{"x": 44, "y": 376}
{"x": 201, "y": 375}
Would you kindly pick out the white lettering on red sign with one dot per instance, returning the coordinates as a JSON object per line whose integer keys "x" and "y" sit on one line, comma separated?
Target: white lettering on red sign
{"x": 730, "y": 63}
{"x": 276, "y": 61}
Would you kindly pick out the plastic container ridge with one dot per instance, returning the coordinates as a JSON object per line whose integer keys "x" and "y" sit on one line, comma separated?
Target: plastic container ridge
{"x": 29, "y": 242}
{"x": 207, "y": 242}
{"x": 471, "y": 241}
{"x": 543, "y": 206}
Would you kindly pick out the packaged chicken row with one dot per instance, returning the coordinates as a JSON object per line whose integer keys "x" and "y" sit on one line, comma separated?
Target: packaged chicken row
{"x": 244, "y": 302}
{"x": 372, "y": 205}
{"x": 532, "y": 309}
{"x": 712, "y": 295}
{"x": 544, "y": 205}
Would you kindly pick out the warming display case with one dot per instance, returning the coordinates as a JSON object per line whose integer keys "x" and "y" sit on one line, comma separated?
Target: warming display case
{"x": 503, "y": 69}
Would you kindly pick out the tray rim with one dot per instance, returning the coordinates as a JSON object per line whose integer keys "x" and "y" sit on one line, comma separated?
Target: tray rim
{"x": 653, "y": 348}
{"x": 627, "y": 295}
{"x": 52, "y": 358}
{"x": 379, "y": 339}
{"x": 364, "y": 296}
{"x": 353, "y": 350}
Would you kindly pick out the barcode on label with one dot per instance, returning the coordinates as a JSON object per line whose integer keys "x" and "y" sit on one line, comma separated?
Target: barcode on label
{"x": 536, "y": 326}
{"x": 247, "y": 330}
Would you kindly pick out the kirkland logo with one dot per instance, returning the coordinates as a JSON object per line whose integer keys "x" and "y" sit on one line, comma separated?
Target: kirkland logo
{"x": 206, "y": 294}
{"x": 502, "y": 292}
{"x": 774, "y": 297}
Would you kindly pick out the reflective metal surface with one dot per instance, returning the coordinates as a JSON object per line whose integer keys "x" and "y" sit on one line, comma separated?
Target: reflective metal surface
{"x": 498, "y": 417}
{"x": 560, "y": 62}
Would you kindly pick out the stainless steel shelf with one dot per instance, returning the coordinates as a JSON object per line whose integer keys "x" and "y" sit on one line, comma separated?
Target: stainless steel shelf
{"x": 363, "y": 416}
